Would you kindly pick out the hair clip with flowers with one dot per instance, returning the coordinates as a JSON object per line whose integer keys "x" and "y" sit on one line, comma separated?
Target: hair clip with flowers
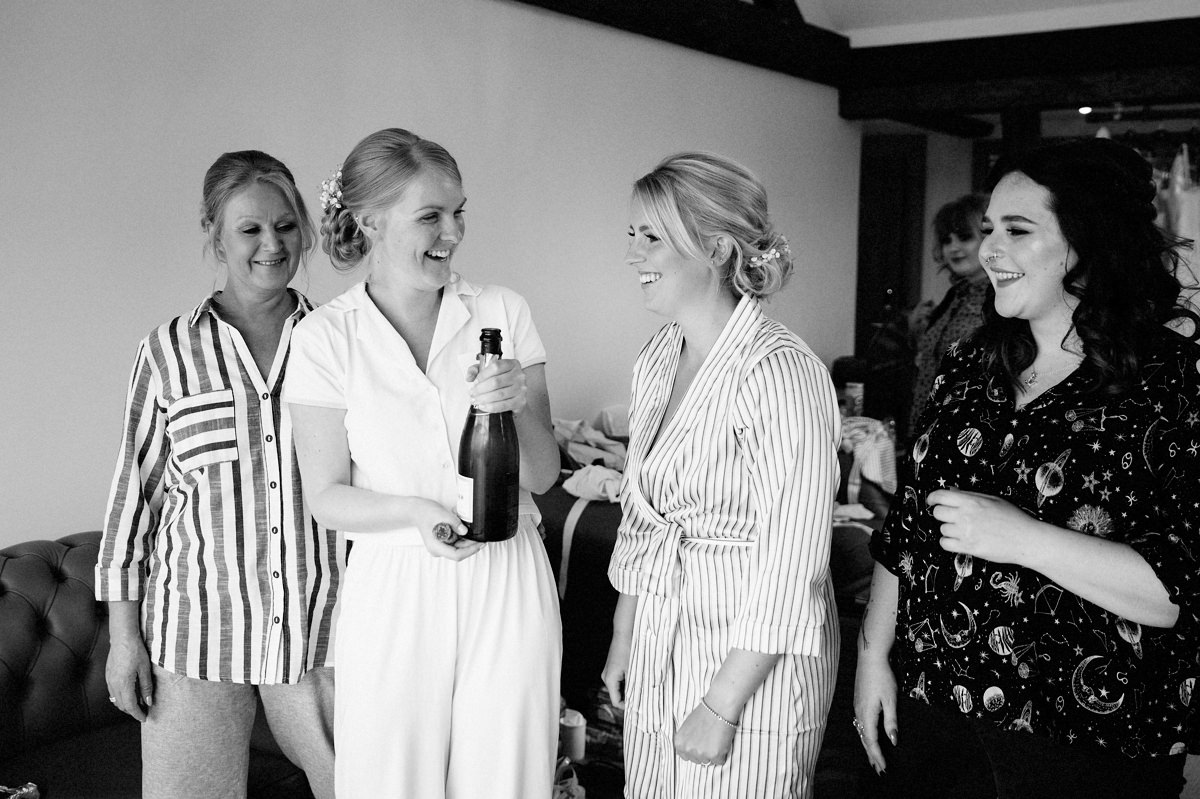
{"x": 331, "y": 192}
{"x": 781, "y": 249}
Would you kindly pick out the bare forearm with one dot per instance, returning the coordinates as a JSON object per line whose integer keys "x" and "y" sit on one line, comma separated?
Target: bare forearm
{"x": 539, "y": 451}
{"x": 739, "y": 677}
{"x": 343, "y": 507}
{"x": 124, "y": 619}
{"x": 624, "y": 613}
{"x": 1106, "y": 573}
{"x": 878, "y": 629}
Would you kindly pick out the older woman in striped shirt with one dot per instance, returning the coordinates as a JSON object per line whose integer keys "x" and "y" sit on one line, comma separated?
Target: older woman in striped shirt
{"x": 220, "y": 585}
{"x": 725, "y": 641}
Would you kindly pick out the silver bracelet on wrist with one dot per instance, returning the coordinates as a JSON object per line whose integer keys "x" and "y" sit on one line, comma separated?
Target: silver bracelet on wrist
{"x": 718, "y": 716}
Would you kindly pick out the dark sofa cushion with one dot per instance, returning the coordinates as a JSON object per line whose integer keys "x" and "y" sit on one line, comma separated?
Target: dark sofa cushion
{"x": 53, "y": 643}
{"x": 57, "y": 727}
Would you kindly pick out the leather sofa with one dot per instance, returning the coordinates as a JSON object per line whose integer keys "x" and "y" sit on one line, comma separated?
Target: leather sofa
{"x": 57, "y": 727}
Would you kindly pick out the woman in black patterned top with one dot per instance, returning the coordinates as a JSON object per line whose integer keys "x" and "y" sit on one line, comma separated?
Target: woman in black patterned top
{"x": 1033, "y": 628}
{"x": 957, "y": 236}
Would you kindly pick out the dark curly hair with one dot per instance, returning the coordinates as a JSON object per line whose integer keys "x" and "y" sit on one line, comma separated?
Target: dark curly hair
{"x": 1102, "y": 194}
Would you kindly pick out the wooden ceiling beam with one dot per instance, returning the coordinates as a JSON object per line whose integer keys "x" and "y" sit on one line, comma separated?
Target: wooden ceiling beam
{"x": 1173, "y": 84}
{"x": 1083, "y": 51}
{"x": 961, "y": 125}
{"x": 1135, "y": 64}
{"x": 934, "y": 85}
{"x": 765, "y": 33}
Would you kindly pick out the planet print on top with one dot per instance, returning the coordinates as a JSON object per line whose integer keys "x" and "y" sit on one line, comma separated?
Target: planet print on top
{"x": 1117, "y": 467}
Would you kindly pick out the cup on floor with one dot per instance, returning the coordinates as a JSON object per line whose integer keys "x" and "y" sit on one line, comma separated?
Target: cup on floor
{"x": 572, "y": 732}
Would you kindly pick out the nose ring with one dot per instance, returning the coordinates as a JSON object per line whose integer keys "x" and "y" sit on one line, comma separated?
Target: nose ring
{"x": 991, "y": 258}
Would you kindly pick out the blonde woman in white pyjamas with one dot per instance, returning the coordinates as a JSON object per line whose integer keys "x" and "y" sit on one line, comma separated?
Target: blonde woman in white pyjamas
{"x": 448, "y": 650}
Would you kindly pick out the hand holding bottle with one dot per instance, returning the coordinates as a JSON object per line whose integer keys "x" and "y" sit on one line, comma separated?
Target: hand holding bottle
{"x": 499, "y": 386}
{"x": 489, "y": 452}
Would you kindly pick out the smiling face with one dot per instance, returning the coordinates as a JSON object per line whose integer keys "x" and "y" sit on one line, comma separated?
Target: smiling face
{"x": 1025, "y": 252}
{"x": 671, "y": 283}
{"x": 961, "y": 255}
{"x": 260, "y": 241}
{"x": 413, "y": 241}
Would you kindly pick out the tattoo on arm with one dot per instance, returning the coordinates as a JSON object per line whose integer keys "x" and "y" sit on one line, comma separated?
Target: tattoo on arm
{"x": 863, "y": 643}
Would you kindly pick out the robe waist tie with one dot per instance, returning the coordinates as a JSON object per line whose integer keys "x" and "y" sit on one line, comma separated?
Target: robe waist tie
{"x": 661, "y": 606}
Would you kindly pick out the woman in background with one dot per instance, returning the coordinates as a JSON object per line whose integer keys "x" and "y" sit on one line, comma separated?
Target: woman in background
{"x": 1033, "y": 623}
{"x": 956, "y": 234}
{"x": 220, "y": 586}
{"x": 448, "y": 650}
{"x": 725, "y": 637}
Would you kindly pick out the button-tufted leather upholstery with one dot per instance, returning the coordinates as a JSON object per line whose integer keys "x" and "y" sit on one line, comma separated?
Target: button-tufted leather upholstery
{"x": 53, "y": 643}
{"x": 57, "y": 727}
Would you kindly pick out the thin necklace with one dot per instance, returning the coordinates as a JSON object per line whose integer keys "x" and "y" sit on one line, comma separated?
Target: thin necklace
{"x": 1034, "y": 377}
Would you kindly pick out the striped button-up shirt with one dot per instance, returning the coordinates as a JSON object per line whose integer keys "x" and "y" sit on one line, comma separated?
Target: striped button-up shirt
{"x": 206, "y": 525}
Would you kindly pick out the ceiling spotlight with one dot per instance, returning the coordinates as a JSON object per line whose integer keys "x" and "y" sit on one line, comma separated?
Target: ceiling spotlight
{"x": 1085, "y": 109}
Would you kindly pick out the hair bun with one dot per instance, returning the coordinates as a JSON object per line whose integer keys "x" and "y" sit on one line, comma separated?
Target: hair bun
{"x": 341, "y": 238}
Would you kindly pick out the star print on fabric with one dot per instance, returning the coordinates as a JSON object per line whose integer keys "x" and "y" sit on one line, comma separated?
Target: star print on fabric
{"x": 1014, "y": 628}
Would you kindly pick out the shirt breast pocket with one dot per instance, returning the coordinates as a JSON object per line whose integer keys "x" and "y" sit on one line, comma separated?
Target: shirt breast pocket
{"x": 203, "y": 429}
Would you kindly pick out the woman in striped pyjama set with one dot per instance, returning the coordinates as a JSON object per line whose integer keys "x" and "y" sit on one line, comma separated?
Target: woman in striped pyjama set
{"x": 725, "y": 642}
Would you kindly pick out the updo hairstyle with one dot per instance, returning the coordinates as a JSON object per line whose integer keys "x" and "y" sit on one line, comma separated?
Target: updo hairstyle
{"x": 233, "y": 172}
{"x": 692, "y": 197}
{"x": 1126, "y": 277}
{"x": 374, "y": 176}
{"x": 963, "y": 217}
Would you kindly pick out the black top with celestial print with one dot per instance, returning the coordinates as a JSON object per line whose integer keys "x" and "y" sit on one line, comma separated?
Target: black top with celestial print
{"x": 1004, "y": 643}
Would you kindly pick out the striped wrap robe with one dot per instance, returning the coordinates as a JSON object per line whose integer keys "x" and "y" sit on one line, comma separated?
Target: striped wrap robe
{"x": 725, "y": 541}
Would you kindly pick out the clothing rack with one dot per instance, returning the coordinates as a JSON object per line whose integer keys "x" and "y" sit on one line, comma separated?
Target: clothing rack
{"x": 1159, "y": 146}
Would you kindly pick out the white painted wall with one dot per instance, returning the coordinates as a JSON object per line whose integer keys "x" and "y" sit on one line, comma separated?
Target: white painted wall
{"x": 112, "y": 111}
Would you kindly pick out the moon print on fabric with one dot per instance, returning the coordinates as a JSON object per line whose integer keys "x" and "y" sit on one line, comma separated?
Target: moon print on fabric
{"x": 1119, "y": 467}
{"x": 1088, "y": 697}
{"x": 957, "y": 640}
{"x": 1049, "y": 478}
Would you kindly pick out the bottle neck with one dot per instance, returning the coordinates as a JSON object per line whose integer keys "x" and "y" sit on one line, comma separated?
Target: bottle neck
{"x": 484, "y": 359}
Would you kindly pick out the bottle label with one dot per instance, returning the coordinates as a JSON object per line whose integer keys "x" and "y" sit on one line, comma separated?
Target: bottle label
{"x": 466, "y": 498}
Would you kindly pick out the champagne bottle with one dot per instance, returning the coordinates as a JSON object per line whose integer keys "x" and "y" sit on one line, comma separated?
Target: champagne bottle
{"x": 489, "y": 463}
